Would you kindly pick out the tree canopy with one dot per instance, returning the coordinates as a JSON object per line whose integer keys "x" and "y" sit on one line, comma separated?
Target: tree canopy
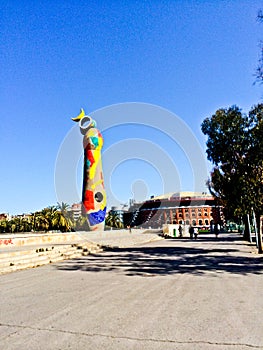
{"x": 114, "y": 220}
{"x": 48, "y": 219}
{"x": 235, "y": 147}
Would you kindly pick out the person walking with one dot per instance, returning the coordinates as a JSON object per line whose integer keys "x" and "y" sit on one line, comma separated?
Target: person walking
{"x": 180, "y": 231}
{"x": 216, "y": 230}
{"x": 195, "y": 232}
{"x": 191, "y": 231}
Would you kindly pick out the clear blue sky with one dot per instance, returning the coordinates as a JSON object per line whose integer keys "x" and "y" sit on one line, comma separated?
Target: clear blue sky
{"x": 188, "y": 57}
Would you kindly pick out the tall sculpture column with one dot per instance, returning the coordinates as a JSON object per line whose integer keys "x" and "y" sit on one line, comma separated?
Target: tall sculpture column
{"x": 93, "y": 192}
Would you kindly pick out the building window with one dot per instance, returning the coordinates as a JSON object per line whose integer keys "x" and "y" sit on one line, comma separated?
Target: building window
{"x": 200, "y": 222}
{"x": 193, "y": 222}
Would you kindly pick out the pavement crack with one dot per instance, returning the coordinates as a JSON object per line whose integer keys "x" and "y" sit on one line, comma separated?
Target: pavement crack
{"x": 174, "y": 341}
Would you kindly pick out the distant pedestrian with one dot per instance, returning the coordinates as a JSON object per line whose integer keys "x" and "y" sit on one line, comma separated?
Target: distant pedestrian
{"x": 216, "y": 230}
{"x": 191, "y": 232}
{"x": 195, "y": 232}
{"x": 180, "y": 231}
{"x": 129, "y": 228}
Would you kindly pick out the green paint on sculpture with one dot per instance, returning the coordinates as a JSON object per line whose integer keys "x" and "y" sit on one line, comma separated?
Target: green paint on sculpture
{"x": 93, "y": 193}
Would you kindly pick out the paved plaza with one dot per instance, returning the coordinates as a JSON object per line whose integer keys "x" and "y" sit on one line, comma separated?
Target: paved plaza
{"x": 164, "y": 294}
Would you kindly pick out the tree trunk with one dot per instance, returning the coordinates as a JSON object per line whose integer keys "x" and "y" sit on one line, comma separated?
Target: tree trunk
{"x": 259, "y": 234}
{"x": 246, "y": 235}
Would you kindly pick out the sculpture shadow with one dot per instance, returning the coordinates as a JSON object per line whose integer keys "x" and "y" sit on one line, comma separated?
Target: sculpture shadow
{"x": 167, "y": 260}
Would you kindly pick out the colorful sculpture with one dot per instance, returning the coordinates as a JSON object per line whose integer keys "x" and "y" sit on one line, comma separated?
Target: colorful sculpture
{"x": 93, "y": 193}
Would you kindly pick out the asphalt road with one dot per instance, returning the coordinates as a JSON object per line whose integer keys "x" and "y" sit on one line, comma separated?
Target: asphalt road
{"x": 169, "y": 294}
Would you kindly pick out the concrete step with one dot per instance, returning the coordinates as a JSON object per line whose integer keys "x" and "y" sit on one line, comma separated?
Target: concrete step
{"x": 33, "y": 252}
{"x": 90, "y": 248}
{"x": 38, "y": 256}
{"x": 33, "y": 256}
{"x": 29, "y": 264}
{"x": 36, "y": 259}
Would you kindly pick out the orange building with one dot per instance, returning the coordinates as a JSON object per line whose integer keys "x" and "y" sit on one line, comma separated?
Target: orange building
{"x": 190, "y": 208}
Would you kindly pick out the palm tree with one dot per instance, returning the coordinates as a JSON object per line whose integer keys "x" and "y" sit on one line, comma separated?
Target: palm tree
{"x": 13, "y": 225}
{"x": 41, "y": 220}
{"x": 33, "y": 221}
{"x": 24, "y": 225}
{"x": 51, "y": 215}
{"x": 63, "y": 207}
{"x": 113, "y": 220}
{"x": 4, "y": 226}
{"x": 64, "y": 217}
{"x": 81, "y": 224}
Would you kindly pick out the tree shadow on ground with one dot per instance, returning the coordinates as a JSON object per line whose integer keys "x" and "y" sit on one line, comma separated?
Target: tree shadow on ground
{"x": 168, "y": 260}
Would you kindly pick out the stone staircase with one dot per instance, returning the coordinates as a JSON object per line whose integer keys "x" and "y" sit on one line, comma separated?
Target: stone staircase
{"x": 38, "y": 255}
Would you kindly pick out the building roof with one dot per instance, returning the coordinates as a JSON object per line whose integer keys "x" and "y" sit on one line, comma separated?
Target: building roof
{"x": 184, "y": 194}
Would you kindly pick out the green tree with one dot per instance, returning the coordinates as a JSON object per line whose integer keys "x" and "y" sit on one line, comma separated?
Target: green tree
{"x": 234, "y": 146}
{"x": 4, "y": 226}
{"x": 81, "y": 224}
{"x": 64, "y": 217}
{"x": 18, "y": 224}
{"x": 53, "y": 219}
{"x": 50, "y": 218}
{"x": 33, "y": 221}
{"x": 113, "y": 220}
{"x": 63, "y": 208}
{"x": 25, "y": 225}
{"x": 42, "y": 220}
{"x": 51, "y": 213}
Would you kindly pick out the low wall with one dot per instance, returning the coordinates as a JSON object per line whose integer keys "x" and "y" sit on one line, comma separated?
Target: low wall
{"x": 24, "y": 239}
{"x": 19, "y": 240}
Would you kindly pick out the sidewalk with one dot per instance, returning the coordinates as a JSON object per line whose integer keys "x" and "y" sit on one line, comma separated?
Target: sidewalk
{"x": 183, "y": 294}
{"x": 120, "y": 238}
